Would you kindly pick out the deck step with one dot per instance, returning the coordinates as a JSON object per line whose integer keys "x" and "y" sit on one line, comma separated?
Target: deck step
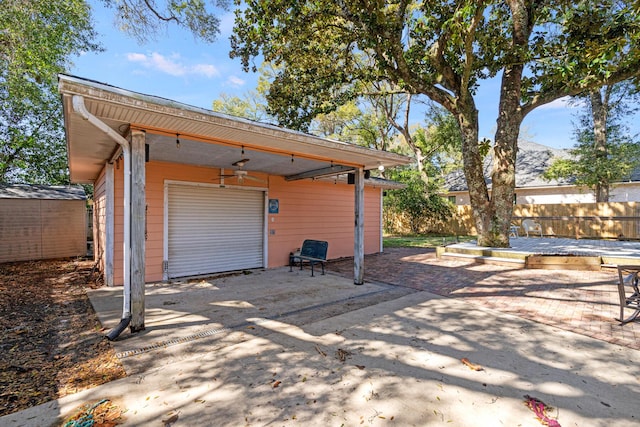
{"x": 551, "y": 254}
{"x": 611, "y": 260}
{"x": 564, "y": 262}
{"x": 486, "y": 252}
{"x": 481, "y": 259}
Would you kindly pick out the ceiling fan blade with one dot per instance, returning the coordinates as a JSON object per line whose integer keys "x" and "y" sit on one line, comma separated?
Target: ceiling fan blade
{"x": 240, "y": 175}
{"x": 253, "y": 178}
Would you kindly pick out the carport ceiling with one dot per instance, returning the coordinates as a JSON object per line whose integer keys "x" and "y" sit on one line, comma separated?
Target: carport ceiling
{"x": 205, "y": 138}
{"x": 166, "y": 149}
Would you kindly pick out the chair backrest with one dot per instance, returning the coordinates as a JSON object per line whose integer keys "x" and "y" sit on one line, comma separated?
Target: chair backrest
{"x": 314, "y": 249}
{"x": 529, "y": 224}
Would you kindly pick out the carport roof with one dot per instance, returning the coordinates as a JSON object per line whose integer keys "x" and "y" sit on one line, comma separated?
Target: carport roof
{"x": 206, "y": 138}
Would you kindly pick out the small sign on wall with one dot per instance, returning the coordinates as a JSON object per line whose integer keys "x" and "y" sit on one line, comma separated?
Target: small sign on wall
{"x": 274, "y": 206}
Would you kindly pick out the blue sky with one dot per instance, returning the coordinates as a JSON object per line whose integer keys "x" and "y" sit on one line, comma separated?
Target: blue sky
{"x": 180, "y": 68}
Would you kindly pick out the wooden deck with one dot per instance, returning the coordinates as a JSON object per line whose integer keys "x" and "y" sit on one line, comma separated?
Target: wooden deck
{"x": 551, "y": 253}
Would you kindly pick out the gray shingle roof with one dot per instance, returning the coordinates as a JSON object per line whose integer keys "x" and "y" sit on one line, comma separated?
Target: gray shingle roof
{"x": 531, "y": 162}
{"x": 44, "y": 192}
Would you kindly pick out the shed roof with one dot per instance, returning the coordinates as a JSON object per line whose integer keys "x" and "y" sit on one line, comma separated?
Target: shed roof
{"x": 43, "y": 192}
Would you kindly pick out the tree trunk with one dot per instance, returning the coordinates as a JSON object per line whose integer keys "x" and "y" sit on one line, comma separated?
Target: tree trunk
{"x": 497, "y": 219}
{"x": 482, "y": 210}
{"x": 420, "y": 158}
{"x": 503, "y": 176}
{"x": 599, "y": 109}
{"x": 406, "y": 134}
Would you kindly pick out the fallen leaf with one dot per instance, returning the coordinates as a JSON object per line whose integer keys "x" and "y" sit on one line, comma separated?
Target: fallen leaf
{"x": 471, "y": 366}
{"x": 540, "y": 409}
{"x": 172, "y": 419}
{"x": 322, "y": 353}
{"x": 342, "y": 355}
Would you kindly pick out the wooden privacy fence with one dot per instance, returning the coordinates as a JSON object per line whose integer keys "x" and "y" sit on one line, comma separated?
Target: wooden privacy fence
{"x": 614, "y": 220}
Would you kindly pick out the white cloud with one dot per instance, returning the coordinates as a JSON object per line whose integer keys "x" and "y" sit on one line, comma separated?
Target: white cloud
{"x": 136, "y": 57}
{"x": 235, "y": 81}
{"x": 173, "y": 65}
{"x": 207, "y": 70}
{"x": 562, "y": 103}
{"x": 167, "y": 65}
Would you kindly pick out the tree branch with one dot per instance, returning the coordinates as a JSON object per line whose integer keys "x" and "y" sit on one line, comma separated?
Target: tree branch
{"x": 158, "y": 15}
{"x": 468, "y": 47}
{"x": 628, "y": 72}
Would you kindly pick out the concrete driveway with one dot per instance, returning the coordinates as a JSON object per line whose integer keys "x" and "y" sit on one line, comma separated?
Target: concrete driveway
{"x": 183, "y": 318}
{"x": 274, "y": 348}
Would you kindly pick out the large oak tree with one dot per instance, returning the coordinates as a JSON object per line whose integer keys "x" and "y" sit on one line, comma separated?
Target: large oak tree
{"x": 37, "y": 38}
{"x": 329, "y": 51}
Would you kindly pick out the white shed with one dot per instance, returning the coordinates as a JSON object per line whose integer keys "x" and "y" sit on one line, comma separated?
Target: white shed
{"x": 42, "y": 222}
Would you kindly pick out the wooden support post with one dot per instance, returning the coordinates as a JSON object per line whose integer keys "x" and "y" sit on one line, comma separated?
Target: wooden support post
{"x": 109, "y": 232}
{"x": 381, "y": 220}
{"x": 138, "y": 204}
{"x": 358, "y": 240}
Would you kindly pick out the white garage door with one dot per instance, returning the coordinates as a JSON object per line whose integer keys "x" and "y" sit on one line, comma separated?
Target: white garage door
{"x": 212, "y": 229}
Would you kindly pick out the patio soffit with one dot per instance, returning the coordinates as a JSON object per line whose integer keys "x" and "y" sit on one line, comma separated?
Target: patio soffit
{"x": 183, "y": 134}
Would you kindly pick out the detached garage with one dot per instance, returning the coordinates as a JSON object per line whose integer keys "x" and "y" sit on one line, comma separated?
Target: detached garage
{"x": 182, "y": 191}
{"x": 42, "y": 222}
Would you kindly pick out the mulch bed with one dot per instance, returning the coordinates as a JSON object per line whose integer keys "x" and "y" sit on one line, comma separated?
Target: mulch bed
{"x": 51, "y": 341}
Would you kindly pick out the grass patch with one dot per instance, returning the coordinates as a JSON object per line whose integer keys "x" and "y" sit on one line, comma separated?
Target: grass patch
{"x": 422, "y": 241}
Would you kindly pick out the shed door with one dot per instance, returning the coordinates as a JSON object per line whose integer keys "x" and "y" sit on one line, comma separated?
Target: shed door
{"x": 212, "y": 229}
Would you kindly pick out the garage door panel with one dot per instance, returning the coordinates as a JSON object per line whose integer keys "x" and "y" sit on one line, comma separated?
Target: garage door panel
{"x": 213, "y": 229}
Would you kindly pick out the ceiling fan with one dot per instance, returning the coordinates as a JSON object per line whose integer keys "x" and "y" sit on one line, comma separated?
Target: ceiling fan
{"x": 239, "y": 174}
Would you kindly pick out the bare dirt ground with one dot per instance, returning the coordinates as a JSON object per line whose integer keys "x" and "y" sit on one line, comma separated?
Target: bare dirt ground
{"x": 50, "y": 339}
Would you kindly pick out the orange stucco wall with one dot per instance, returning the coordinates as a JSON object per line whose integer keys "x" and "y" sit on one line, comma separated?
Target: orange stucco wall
{"x": 309, "y": 209}
{"x": 319, "y": 210}
{"x": 99, "y": 219}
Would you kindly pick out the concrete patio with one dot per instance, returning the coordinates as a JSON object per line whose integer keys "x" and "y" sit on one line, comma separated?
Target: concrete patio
{"x": 280, "y": 348}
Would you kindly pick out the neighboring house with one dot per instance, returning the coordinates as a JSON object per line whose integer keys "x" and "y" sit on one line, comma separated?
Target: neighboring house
{"x": 42, "y": 222}
{"x": 532, "y": 160}
{"x": 209, "y": 192}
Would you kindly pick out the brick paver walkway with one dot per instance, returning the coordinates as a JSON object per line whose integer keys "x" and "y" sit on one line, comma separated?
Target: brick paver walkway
{"x": 584, "y": 302}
